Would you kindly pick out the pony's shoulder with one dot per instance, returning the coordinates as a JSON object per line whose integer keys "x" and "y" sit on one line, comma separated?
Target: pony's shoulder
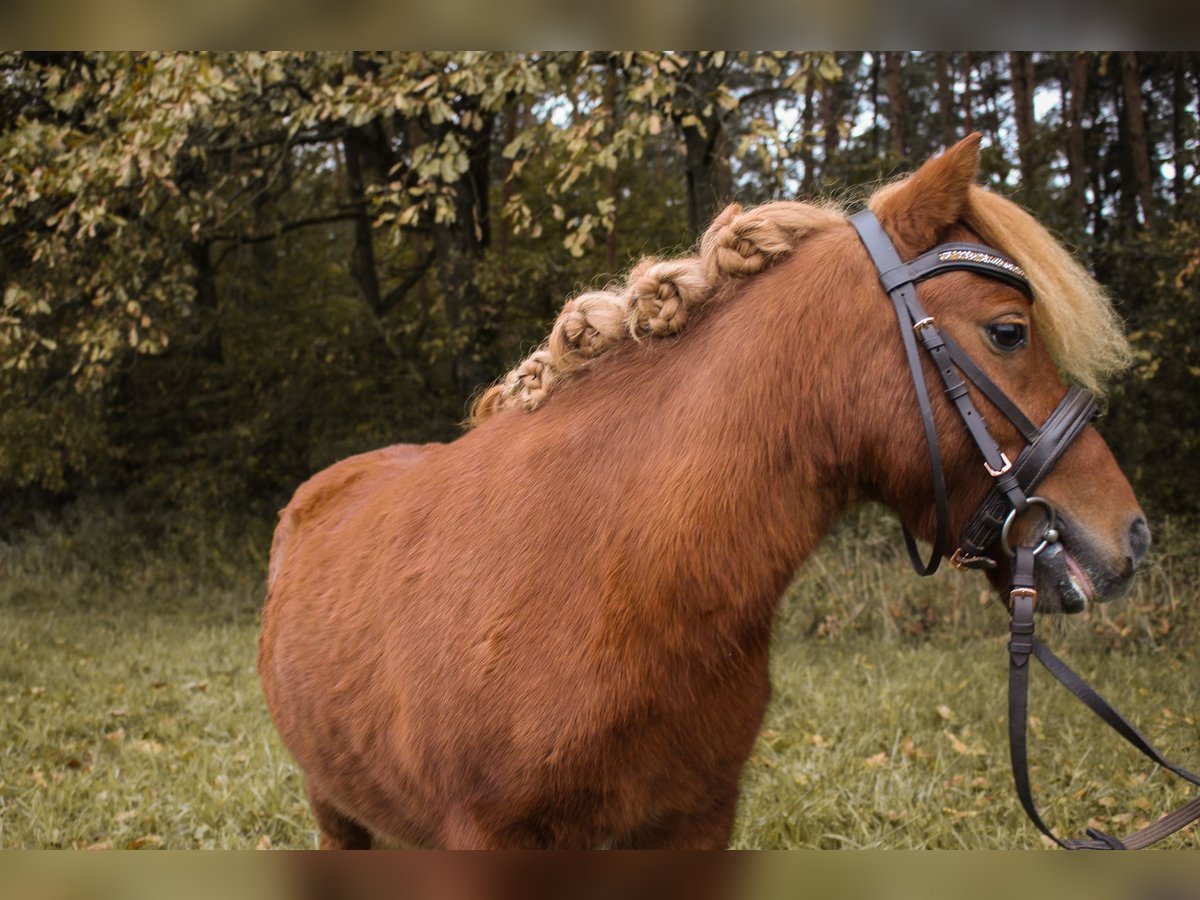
{"x": 330, "y": 486}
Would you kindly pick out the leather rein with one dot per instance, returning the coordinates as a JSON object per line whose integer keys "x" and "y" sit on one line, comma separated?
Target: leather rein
{"x": 1010, "y": 496}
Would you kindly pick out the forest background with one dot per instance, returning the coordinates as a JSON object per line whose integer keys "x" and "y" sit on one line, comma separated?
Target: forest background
{"x": 223, "y": 271}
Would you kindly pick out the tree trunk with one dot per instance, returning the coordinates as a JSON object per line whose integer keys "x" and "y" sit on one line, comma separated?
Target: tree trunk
{"x": 832, "y": 93}
{"x": 897, "y": 102}
{"x": 806, "y": 133}
{"x": 968, "y": 100}
{"x": 459, "y": 247}
{"x": 1139, "y": 149}
{"x": 990, "y": 88}
{"x": 875, "y": 67}
{"x": 613, "y": 186}
{"x": 1093, "y": 167}
{"x": 1179, "y": 122}
{"x": 362, "y": 255}
{"x": 1021, "y": 68}
{"x": 210, "y": 347}
{"x": 945, "y": 91}
{"x": 1078, "y": 66}
{"x": 703, "y": 144}
{"x": 700, "y": 159}
{"x": 507, "y": 189}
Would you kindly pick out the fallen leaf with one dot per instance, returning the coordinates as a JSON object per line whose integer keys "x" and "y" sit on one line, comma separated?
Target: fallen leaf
{"x": 151, "y": 747}
{"x": 146, "y": 840}
{"x": 116, "y": 736}
{"x": 874, "y": 762}
{"x": 960, "y": 814}
{"x": 820, "y": 742}
{"x": 909, "y": 748}
{"x": 945, "y": 712}
{"x": 100, "y": 845}
{"x": 264, "y": 842}
{"x": 957, "y": 745}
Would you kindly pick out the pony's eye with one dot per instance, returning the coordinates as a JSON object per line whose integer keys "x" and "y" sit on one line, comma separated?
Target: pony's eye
{"x": 1008, "y": 335}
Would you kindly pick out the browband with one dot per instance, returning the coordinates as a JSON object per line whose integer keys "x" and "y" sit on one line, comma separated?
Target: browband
{"x": 958, "y": 256}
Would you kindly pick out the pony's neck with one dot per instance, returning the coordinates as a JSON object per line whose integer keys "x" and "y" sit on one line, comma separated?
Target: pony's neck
{"x": 742, "y": 448}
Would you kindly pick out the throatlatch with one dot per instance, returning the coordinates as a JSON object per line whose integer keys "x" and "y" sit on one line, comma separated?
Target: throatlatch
{"x": 1011, "y": 496}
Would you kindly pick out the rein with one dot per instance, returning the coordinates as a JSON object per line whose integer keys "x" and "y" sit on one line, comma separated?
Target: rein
{"x": 1010, "y": 497}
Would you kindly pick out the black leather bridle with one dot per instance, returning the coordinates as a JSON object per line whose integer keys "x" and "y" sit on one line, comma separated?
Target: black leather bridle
{"x": 1010, "y": 497}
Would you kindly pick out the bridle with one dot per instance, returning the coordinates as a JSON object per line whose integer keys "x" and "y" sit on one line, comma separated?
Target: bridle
{"x": 1010, "y": 497}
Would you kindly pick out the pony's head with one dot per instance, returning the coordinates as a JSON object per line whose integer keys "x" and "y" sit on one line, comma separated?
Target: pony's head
{"x": 798, "y": 322}
{"x": 1028, "y": 347}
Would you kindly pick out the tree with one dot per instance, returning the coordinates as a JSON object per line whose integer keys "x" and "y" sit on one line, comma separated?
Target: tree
{"x": 219, "y": 271}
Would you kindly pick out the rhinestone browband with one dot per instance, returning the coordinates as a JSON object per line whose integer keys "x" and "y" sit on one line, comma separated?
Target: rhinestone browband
{"x": 977, "y": 256}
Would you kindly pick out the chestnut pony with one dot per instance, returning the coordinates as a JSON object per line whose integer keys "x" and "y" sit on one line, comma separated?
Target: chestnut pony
{"x": 553, "y": 631}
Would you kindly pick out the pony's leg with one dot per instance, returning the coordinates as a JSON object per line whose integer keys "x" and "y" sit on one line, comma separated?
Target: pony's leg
{"x": 462, "y": 832}
{"x": 337, "y": 831}
{"x": 708, "y": 828}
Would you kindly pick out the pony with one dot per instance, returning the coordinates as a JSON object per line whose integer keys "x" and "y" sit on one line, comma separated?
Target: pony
{"x": 553, "y": 631}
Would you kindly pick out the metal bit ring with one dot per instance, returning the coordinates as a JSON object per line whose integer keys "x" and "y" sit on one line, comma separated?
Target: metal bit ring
{"x": 1049, "y": 533}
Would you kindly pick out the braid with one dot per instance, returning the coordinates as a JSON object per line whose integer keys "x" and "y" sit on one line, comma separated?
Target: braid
{"x": 657, "y": 300}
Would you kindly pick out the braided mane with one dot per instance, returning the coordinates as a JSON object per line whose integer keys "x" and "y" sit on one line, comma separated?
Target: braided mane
{"x": 1082, "y": 330}
{"x": 657, "y": 298}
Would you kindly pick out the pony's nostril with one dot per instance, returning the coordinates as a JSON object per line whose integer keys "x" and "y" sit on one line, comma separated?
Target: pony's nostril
{"x": 1139, "y": 539}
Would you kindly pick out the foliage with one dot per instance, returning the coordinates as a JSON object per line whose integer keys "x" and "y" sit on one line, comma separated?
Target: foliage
{"x": 221, "y": 271}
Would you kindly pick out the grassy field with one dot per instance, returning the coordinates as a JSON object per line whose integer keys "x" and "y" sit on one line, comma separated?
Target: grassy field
{"x": 132, "y": 716}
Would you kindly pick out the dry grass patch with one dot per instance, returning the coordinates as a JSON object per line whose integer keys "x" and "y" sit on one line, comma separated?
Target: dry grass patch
{"x": 132, "y": 715}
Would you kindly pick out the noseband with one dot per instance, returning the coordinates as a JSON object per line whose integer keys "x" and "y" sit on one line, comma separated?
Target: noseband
{"x": 1011, "y": 495}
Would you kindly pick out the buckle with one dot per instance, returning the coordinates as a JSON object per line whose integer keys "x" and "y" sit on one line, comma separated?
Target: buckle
{"x": 926, "y": 322}
{"x": 1031, "y": 593}
{"x": 1020, "y": 628}
{"x": 996, "y": 473}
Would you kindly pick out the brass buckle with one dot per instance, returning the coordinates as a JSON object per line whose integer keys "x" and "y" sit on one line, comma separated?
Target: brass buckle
{"x": 926, "y": 322}
{"x": 996, "y": 473}
{"x": 1022, "y": 592}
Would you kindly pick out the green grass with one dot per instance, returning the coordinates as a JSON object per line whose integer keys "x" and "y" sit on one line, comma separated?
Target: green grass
{"x": 132, "y": 717}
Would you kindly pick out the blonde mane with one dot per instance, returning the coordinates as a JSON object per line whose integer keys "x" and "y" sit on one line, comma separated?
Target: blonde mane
{"x": 1073, "y": 313}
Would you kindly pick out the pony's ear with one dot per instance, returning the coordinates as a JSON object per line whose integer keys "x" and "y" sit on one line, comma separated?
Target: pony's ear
{"x": 918, "y": 209}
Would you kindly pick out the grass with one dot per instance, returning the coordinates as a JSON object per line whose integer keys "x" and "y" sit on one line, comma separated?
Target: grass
{"x": 132, "y": 717}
